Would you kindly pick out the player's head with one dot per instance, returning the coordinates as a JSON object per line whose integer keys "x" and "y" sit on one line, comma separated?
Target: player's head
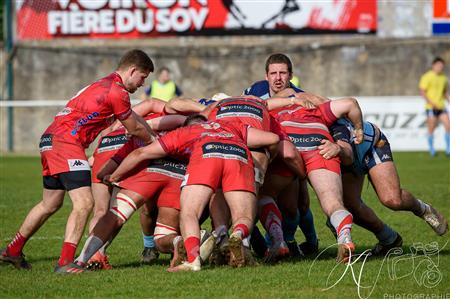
{"x": 438, "y": 65}
{"x": 164, "y": 75}
{"x": 278, "y": 72}
{"x": 134, "y": 67}
{"x": 194, "y": 119}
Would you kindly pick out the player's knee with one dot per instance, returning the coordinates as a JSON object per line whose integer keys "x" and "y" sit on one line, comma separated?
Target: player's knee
{"x": 83, "y": 205}
{"x": 393, "y": 201}
{"x": 50, "y": 208}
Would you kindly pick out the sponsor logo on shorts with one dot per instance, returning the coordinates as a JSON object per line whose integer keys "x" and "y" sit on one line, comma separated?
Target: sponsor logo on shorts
{"x": 110, "y": 143}
{"x": 224, "y": 151}
{"x": 170, "y": 168}
{"x": 78, "y": 164}
{"x": 45, "y": 144}
{"x": 385, "y": 157}
{"x": 306, "y": 142}
{"x": 240, "y": 110}
{"x": 83, "y": 121}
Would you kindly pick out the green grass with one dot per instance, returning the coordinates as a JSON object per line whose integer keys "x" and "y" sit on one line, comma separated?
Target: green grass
{"x": 20, "y": 189}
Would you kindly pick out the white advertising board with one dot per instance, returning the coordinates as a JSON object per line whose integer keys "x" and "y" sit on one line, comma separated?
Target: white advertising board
{"x": 403, "y": 121}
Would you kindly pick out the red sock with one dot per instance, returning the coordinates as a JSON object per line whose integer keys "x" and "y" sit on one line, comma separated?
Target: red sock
{"x": 15, "y": 247}
{"x": 243, "y": 229}
{"x": 192, "y": 245}
{"x": 346, "y": 223}
{"x": 67, "y": 253}
{"x": 270, "y": 212}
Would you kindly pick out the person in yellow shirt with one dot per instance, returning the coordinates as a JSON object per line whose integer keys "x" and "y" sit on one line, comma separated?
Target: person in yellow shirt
{"x": 296, "y": 81}
{"x": 433, "y": 87}
{"x": 163, "y": 88}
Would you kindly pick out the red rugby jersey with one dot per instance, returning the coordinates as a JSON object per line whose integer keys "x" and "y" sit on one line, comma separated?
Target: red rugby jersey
{"x": 92, "y": 110}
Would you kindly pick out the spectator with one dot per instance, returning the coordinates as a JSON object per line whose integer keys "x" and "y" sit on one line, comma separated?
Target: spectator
{"x": 163, "y": 88}
{"x": 433, "y": 87}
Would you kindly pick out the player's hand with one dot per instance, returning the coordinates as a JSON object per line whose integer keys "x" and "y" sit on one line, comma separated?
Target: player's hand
{"x": 107, "y": 180}
{"x": 359, "y": 136}
{"x": 91, "y": 161}
{"x": 329, "y": 149}
{"x": 304, "y": 103}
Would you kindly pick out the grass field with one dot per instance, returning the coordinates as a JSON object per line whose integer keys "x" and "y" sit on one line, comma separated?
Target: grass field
{"x": 415, "y": 275}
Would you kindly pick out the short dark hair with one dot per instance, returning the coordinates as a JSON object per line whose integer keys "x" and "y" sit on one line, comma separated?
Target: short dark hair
{"x": 162, "y": 69}
{"x": 194, "y": 118}
{"x": 278, "y": 58}
{"x": 136, "y": 58}
{"x": 438, "y": 59}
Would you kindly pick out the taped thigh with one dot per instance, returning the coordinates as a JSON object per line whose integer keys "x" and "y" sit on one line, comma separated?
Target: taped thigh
{"x": 123, "y": 206}
{"x": 162, "y": 230}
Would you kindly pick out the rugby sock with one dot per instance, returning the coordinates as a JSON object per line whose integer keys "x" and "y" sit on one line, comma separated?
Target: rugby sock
{"x": 15, "y": 247}
{"x": 422, "y": 210}
{"x": 271, "y": 218}
{"x": 447, "y": 142}
{"x": 192, "y": 245}
{"x": 149, "y": 241}
{"x": 289, "y": 226}
{"x": 102, "y": 250}
{"x": 342, "y": 221}
{"x": 306, "y": 224}
{"x": 91, "y": 246}
{"x": 67, "y": 253}
{"x": 245, "y": 232}
{"x": 430, "y": 145}
{"x": 387, "y": 235}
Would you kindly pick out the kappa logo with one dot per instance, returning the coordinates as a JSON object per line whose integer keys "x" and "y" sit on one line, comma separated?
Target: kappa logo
{"x": 77, "y": 165}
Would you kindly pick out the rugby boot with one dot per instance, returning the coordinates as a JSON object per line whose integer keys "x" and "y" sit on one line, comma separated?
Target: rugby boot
{"x": 207, "y": 242}
{"x": 380, "y": 250}
{"x": 276, "y": 253}
{"x": 220, "y": 253}
{"x": 258, "y": 243}
{"x": 236, "y": 248}
{"x": 308, "y": 248}
{"x": 18, "y": 262}
{"x": 294, "y": 249}
{"x": 179, "y": 253}
{"x": 436, "y": 220}
{"x": 186, "y": 266}
{"x": 98, "y": 262}
{"x": 72, "y": 268}
{"x": 345, "y": 250}
{"x": 149, "y": 255}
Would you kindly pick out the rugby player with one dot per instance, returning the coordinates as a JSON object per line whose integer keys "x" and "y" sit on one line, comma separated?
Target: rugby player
{"x": 306, "y": 128}
{"x": 374, "y": 157}
{"x": 279, "y": 71}
{"x": 214, "y": 159}
{"x": 64, "y": 162}
{"x": 160, "y": 116}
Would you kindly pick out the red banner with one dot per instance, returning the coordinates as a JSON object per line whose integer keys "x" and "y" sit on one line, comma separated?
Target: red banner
{"x": 48, "y": 19}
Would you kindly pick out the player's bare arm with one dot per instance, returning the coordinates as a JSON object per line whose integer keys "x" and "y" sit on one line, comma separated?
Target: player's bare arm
{"x": 183, "y": 105}
{"x": 257, "y": 138}
{"x": 339, "y": 148}
{"x": 151, "y": 105}
{"x": 349, "y": 107}
{"x": 138, "y": 127}
{"x": 166, "y": 123}
{"x": 149, "y": 152}
{"x": 107, "y": 168}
